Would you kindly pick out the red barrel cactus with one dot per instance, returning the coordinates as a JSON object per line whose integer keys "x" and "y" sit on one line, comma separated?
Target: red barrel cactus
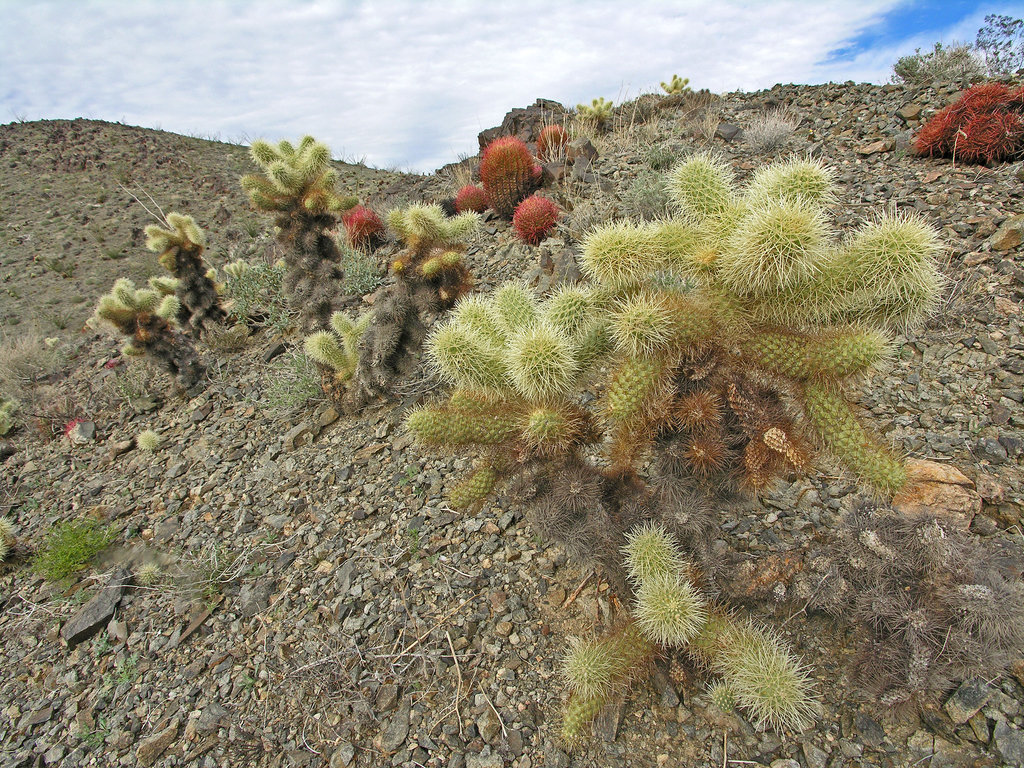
{"x": 534, "y": 219}
{"x": 363, "y": 227}
{"x": 552, "y": 142}
{"x": 470, "y": 198}
{"x": 984, "y": 125}
{"x": 508, "y": 173}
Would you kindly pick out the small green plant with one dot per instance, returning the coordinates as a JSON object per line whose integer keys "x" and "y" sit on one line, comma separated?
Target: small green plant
{"x": 293, "y": 381}
{"x": 69, "y": 547}
{"x": 7, "y": 410}
{"x": 255, "y": 293}
{"x": 362, "y": 271}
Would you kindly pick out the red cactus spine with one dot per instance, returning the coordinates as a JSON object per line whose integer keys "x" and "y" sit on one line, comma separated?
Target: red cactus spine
{"x": 508, "y": 174}
{"x": 363, "y": 227}
{"x": 552, "y": 142}
{"x": 470, "y": 198}
{"x": 534, "y": 218}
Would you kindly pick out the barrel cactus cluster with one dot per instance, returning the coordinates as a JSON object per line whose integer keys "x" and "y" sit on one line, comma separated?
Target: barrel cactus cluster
{"x": 508, "y": 174}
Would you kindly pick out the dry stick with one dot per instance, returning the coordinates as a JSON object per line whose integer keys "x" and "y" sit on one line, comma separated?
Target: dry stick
{"x": 576, "y": 592}
{"x": 458, "y": 685}
{"x": 504, "y": 730}
{"x": 438, "y": 623}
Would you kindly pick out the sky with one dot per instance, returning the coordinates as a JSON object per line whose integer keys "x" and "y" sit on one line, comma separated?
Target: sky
{"x": 408, "y": 84}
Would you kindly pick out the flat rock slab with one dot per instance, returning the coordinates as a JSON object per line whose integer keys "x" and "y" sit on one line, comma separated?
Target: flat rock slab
{"x": 971, "y": 696}
{"x": 97, "y": 612}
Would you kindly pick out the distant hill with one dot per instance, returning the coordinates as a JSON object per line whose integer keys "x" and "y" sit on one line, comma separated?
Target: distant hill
{"x": 69, "y": 225}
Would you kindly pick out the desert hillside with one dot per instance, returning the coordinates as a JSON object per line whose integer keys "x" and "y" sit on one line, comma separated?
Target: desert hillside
{"x": 314, "y": 599}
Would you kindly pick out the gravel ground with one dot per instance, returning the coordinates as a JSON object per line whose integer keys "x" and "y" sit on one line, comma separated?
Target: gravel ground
{"x": 320, "y": 604}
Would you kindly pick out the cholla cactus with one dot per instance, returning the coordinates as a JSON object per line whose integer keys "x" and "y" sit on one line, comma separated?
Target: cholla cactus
{"x": 297, "y": 185}
{"x": 598, "y": 112}
{"x": 7, "y": 539}
{"x": 362, "y": 359}
{"x": 7, "y": 409}
{"x": 180, "y": 246}
{"x": 731, "y": 334}
{"x": 148, "y": 440}
{"x": 676, "y": 85}
{"x": 145, "y": 316}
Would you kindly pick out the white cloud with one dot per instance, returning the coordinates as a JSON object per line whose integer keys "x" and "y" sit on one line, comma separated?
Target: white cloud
{"x": 403, "y": 82}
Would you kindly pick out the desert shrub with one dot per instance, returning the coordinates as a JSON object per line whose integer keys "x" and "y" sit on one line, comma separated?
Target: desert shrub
{"x": 292, "y": 381}
{"x": 771, "y": 130}
{"x": 255, "y": 293}
{"x": 69, "y": 547}
{"x": 1001, "y": 43}
{"x": 660, "y": 157}
{"x": 647, "y": 197}
{"x": 986, "y": 124}
{"x": 363, "y": 272}
{"x": 944, "y": 64}
{"x": 24, "y": 360}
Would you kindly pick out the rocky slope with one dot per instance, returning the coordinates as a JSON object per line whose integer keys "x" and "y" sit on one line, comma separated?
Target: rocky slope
{"x": 321, "y": 605}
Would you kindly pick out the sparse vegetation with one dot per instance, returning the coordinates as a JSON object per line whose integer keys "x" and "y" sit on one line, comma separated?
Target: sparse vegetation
{"x": 769, "y": 132}
{"x": 69, "y": 547}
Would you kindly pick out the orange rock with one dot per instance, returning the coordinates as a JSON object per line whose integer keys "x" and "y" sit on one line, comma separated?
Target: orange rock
{"x": 938, "y": 489}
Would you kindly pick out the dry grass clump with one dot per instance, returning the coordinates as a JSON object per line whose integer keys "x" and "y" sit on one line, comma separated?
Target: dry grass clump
{"x": 771, "y": 130}
{"x": 25, "y": 359}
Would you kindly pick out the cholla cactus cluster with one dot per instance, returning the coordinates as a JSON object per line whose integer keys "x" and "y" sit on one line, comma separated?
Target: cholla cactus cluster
{"x": 180, "y": 245}
{"x": 757, "y": 672}
{"x": 147, "y": 317}
{"x": 362, "y": 359}
{"x": 297, "y": 184}
{"x": 730, "y": 338}
{"x": 937, "y": 603}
